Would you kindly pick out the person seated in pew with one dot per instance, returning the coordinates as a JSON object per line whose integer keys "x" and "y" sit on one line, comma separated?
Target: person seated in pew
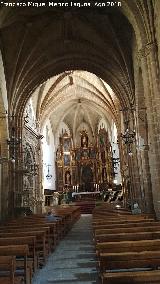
{"x": 52, "y": 217}
{"x": 136, "y": 210}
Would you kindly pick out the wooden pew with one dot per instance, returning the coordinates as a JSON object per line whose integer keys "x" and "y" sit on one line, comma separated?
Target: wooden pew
{"x": 126, "y": 225}
{"x": 126, "y": 246}
{"x": 30, "y": 227}
{"x": 27, "y": 222}
{"x": 7, "y": 269}
{"x": 120, "y": 220}
{"x": 126, "y": 241}
{"x": 36, "y": 232}
{"x": 18, "y": 251}
{"x": 103, "y": 211}
{"x": 40, "y": 240}
{"x": 139, "y": 277}
{"x": 28, "y": 240}
{"x": 128, "y": 260}
{"x": 126, "y": 230}
{"x": 63, "y": 225}
{"x": 56, "y": 227}
{"x": 129, "y": 236}
{"x": 70, "y": 212}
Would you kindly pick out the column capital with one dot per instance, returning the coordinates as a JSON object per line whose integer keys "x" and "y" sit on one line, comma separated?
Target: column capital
{"x": 146, "y": 50}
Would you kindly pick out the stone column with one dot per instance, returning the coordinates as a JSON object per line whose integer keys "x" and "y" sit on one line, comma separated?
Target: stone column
{"x": 148, "y": 198}
{"x": 148, "y": 58}
{"x": 138, "y": 191}
{"x": 4, "y": 170}
{"x": 145, "y": 187}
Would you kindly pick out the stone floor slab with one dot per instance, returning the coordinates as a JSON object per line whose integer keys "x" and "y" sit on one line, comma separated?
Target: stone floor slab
{"x": 74, "y": 260}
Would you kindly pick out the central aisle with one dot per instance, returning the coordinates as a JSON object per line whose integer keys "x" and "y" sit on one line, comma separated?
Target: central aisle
{"x": 74, "y": 260}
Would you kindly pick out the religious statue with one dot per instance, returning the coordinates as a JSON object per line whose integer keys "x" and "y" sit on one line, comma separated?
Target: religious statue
{"x": 84, "y": 141}
{"x": 67, "y": 178}
{"x": 66, "y": 160}
{"x": 66, "y": 144}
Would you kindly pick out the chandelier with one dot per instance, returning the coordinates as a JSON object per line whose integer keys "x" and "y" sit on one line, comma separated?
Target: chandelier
{"x": 129, "y": 136}
{"x": 48, "y": 176}
{"x": 115, "y": 162}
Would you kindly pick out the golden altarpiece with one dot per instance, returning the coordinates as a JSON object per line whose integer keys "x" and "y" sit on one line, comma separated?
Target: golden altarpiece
{"x": 87, "y": 167}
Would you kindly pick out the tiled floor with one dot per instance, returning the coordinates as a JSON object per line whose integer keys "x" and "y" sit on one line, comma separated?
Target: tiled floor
{"x": 74, "y": 260}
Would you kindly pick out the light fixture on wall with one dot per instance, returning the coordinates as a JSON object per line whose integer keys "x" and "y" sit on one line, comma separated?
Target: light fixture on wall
{"x": 115, "y": 162}
{"x": 48, "y": 176}
{"x": 128, "y": 137}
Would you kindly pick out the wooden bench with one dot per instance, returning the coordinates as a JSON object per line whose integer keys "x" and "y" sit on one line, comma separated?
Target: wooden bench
{"x": 22, "y": 269}
{"x": 127, "y": 230}
{"x": 40, "y": 240}
{"x": 125, "y": 241}
{"x": 7, "y": 269}
{"x": 128, "y": 236}
{"x": 56, "y": 227}
{"x": 35, "y": 223}
{"x": 29, "y": 240}
{"x": 129, "y": 260}
{"x": 27, "y": 227}
{"x": 126, "y": 225}
{"x": 139, "y": 277}
{"x": 119, "y": 220}
{"x": 126, "y": 246}
{"x": 38, "y": 234}
{"x": 114, "y": 262}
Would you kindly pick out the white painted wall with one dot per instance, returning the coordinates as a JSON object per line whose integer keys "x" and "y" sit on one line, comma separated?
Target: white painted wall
{"x": 61, "y": 129}
{"x": 4, "y": 123}
{"x": 115, "y": 150}
{"x": 49, "y": 156}
{"x": 3, "y": 84}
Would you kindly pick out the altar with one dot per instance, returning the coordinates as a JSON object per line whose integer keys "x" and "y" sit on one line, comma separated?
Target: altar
{"x": 86, "y": 195}
{"x": 84, "y": 165}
